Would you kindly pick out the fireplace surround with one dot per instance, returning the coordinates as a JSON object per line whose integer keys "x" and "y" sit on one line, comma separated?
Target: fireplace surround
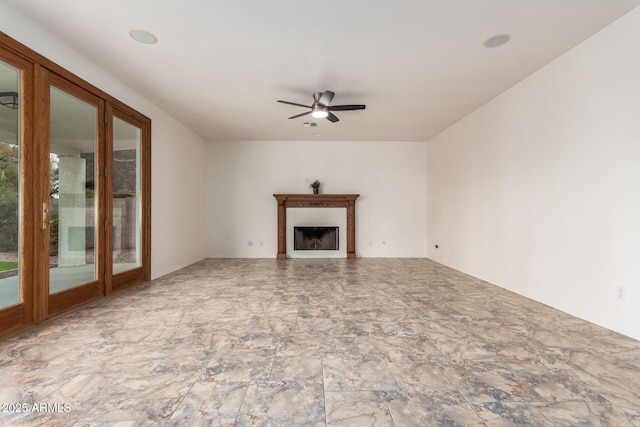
{"x": 347, "y": 201}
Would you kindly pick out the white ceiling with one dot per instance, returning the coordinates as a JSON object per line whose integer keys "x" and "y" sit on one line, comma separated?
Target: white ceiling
{"x": 418, "y": 65}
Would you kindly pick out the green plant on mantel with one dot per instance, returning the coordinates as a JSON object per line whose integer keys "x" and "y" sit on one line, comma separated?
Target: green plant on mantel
{"x": 315, "y": 184}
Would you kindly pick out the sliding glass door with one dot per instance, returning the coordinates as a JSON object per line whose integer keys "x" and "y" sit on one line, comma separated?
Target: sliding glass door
{"x": 128, "y": 198}
{"x": 74, "y": 194}
{"x": 16, "y": 244}
{"x": 74, "y": 191}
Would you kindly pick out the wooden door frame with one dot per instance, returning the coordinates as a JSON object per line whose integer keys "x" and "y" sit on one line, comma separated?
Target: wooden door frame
{"x": 16, "y": 317}
{"x": 79, "y": 295}
{"x": 126, "y": 279}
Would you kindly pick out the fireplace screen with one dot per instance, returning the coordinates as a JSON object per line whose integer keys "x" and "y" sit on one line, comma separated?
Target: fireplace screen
{"x": 315, "y": 238}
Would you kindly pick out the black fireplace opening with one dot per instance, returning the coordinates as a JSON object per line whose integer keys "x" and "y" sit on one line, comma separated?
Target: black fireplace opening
{"x": 315, "y": 238}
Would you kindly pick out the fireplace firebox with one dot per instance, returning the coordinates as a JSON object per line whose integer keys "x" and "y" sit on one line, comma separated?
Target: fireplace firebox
{"x": 315, "y": 238}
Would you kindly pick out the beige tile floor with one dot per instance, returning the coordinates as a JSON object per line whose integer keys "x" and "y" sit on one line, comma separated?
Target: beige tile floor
{"x": 367, "y": 342}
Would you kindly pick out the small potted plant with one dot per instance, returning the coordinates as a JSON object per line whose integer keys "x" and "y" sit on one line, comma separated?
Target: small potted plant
{"x": 315, "y": 185}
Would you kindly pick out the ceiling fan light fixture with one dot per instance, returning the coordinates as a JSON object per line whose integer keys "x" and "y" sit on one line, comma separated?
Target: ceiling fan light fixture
{"x": 319, "y": 112}
{"x": 320, "y": 108}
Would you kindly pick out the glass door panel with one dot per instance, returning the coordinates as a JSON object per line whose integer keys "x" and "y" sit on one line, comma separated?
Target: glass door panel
{"x": 73, "y": 199}
{"x": 126, "y": 181}
{"x": 9, "y": 185}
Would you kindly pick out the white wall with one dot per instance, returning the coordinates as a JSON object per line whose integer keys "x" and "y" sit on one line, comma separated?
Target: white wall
{"x": 178, "y": 219}
{"x": 389, "y": 176}
{"x": 539, "y": 190}
{"x": 178, "y": 167}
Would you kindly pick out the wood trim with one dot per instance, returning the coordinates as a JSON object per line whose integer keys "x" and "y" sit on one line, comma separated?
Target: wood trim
{"x": 74, "y": 297}
{"x": 66, "y": 300}
{"x": 282, "y": 228}
{"x": 108, "y": 202}
{"x": 41, "y": 193}
{"x": 143, "y": 273}
{"x": 347, "y": 201}
{"x": 146, "y": 200}
{"x": 127, "y": 279}
{"x": 13, "y": 320}
{"x": 21, "y": 315}
{"x": 29, "y": 223}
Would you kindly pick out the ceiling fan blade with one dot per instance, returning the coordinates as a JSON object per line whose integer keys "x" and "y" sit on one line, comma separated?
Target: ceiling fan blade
{"x": 333, "y": 118}
{"x": 300, "y": 115}
{"x": 293, "y": 103}
{"x": 347, "y": 107}
{"x": 326, "y": 98}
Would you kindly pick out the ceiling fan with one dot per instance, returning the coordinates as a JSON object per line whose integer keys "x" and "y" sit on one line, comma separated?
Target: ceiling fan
{"x": 321, "y": 108}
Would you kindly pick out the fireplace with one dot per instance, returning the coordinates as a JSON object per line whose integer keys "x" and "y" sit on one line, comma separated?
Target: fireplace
{"x": 315, "y": 238}
{"x": 347, "y": 201}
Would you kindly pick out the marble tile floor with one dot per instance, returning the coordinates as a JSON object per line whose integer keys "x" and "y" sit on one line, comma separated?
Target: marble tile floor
{"x": 366, "y": 342}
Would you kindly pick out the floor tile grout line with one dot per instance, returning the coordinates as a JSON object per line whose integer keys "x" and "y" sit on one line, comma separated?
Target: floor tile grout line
{"x": 244, "y": 397}
{"x": 197, "y": 379}
{"x": 324, "y": 390}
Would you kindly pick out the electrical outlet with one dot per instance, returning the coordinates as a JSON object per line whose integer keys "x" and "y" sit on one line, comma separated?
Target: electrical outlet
{"x": 620, "y": 293}
{"x": 250, "y": 243}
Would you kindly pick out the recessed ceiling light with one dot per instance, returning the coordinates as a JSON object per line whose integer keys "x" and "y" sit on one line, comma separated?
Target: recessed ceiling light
{"x": 498, "y": 40}
{"x": 143, "y": 36}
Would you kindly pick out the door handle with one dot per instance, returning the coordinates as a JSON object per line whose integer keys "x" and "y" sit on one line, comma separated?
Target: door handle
{"x": 45, "y": 216}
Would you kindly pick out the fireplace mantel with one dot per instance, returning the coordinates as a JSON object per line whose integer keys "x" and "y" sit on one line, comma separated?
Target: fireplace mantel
{"x": 347, "y": 201}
